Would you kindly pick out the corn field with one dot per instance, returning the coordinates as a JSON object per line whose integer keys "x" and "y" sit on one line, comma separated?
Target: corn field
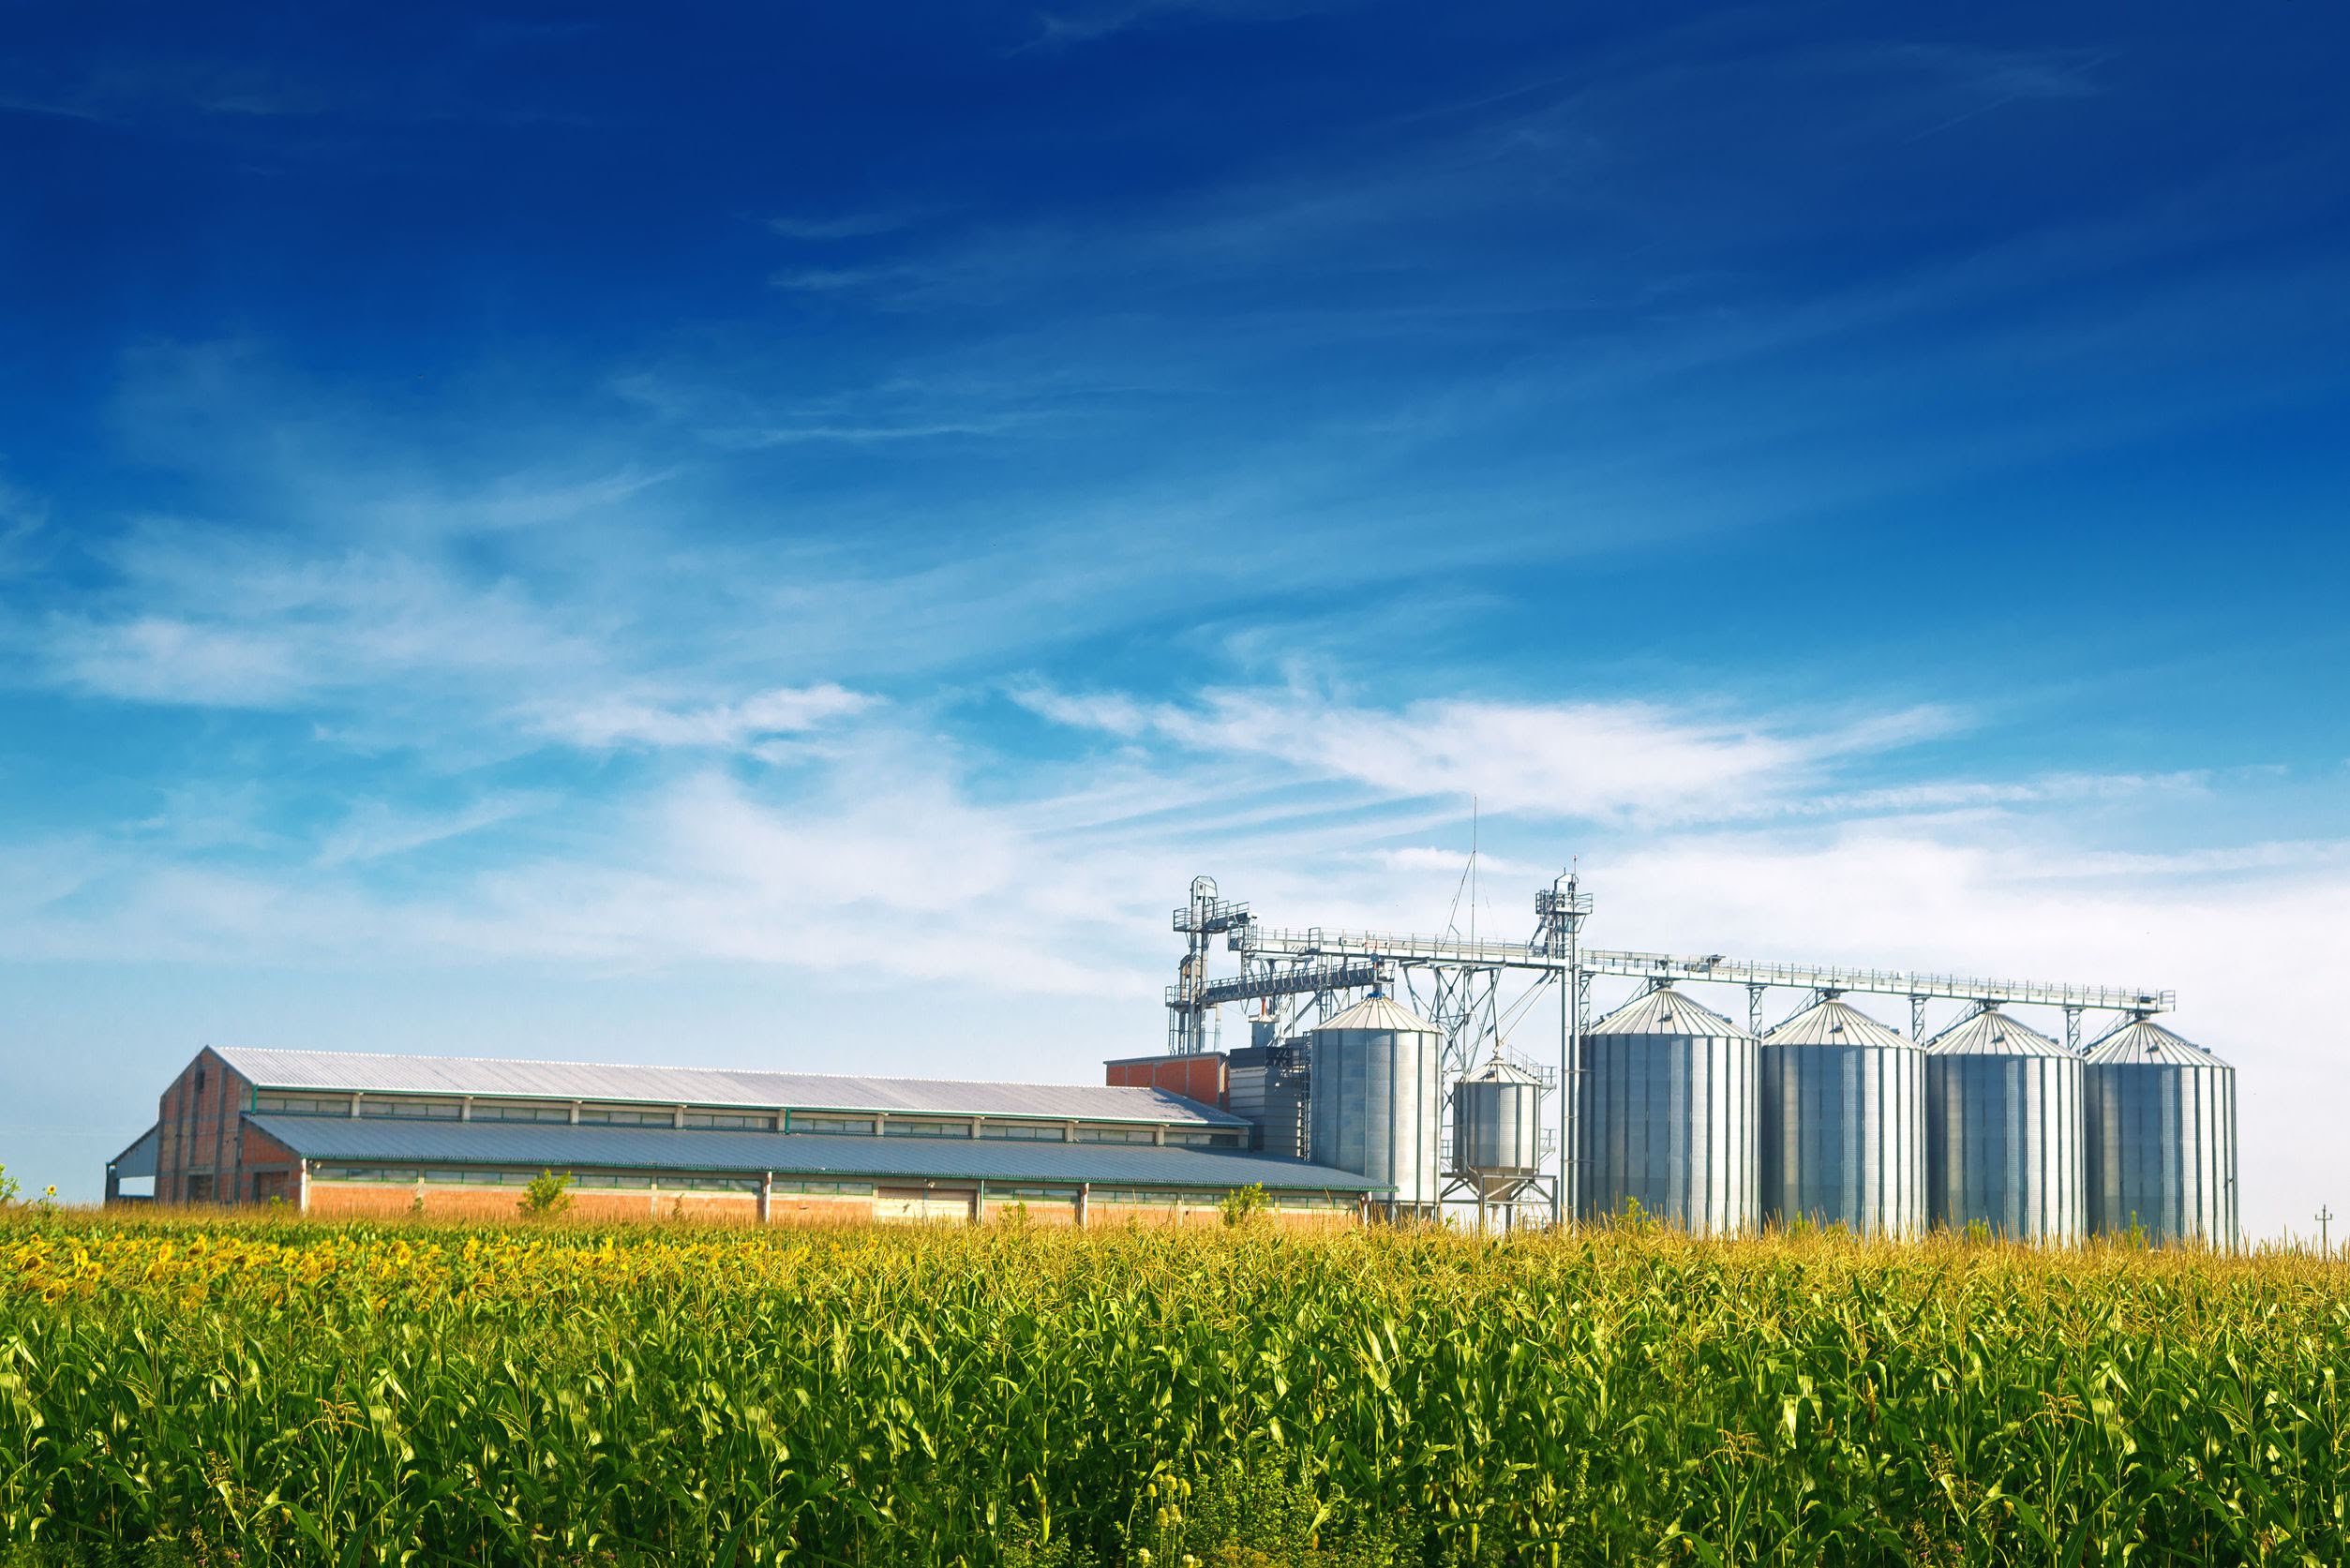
{"x": 219, "y": 1391}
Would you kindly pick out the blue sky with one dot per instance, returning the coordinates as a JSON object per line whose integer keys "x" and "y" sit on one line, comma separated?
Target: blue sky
{"x": 762, "y": 536}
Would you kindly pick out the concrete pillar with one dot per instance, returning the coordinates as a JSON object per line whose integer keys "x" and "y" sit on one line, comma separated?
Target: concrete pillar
{"x": 302, "y": 1187}
{"x": 354, "y": 1103}
{"x": 1084, "y": 1192}
{"x": 766, "y": 1195}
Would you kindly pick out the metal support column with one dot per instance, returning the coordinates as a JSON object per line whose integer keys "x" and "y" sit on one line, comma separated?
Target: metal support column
{"x": 1754, "y": 1010}
{"x": 1917, "y": 1018}
{"x": 2072, "y": 1030}
{"x": 1561, "y": 908}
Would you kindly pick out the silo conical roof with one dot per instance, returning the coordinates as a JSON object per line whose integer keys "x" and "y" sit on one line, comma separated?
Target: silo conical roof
{"x": 1835, "y": 1023}
{"x": 1992, "y": 1032}
{"x": 1499, "y": 1071}
{"x": 2142, "y": 1039}
{"x": 1382, "y": 1014}
{"x": 1666, "y": 1011}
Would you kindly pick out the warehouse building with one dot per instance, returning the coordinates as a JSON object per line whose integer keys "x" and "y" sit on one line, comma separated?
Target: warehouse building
{"x": 345, "y": 1134}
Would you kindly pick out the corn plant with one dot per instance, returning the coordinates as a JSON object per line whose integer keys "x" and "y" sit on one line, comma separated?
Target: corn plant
{"x": 275, "y": 1391}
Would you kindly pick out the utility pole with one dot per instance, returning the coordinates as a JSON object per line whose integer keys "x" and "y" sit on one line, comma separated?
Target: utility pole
{"x": 2325, "y": 1212}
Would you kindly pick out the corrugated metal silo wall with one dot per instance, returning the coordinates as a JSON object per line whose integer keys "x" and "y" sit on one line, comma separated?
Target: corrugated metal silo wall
{"x": 1497, "y": 1127}
{"x": 2004, "y": 1145}
{"x": 1376, "y": 1099}
{"x": 1672, "y": 1122}
{"x": 2162, "y": 1150}
{"x": 1844, "y": 1137}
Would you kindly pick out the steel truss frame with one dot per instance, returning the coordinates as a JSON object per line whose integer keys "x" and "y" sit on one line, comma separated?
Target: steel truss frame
{"x": 1304, "y": 976}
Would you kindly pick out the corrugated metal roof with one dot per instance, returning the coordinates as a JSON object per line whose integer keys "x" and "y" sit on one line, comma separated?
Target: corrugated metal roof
{"x": 353, "y": 1071}
{"x": 2142, "y": 1039}
{"x": 140, "y": 1159}
{"x": 799, "y": 1154}
{"x": 1666, "y": 1011}
{"x": 1496, "y": 1070}
{"x": 1835, "y": 1023}
{"x": 1383, "y": 1014}
{"x": 1992, "y": 1032}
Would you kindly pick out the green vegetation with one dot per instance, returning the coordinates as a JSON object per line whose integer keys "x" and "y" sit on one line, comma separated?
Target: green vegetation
{"x": 548, "y": 1196}
{"x": 176, "y": 1391}
{"x": 1245, "y": 1205}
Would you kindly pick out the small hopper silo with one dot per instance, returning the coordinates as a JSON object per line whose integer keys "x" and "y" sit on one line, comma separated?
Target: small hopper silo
{"x": 2161, "y": 1137}
{"x": 1376, "y": 1092}
{"x": 1666, "y": 1102}
{"x": 1497, "y": 1131}
{"x": 1843, "y": 1123}
{"x": 2003, "y": 1136}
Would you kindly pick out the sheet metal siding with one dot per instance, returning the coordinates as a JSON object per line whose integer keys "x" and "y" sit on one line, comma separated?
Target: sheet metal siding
{"x": 140, "y": 1159}
{"x": 1842, "y": 1137}
{"x": 2162, "y": 1150}
{"x": 1376, "y": 1097}
{"x": 563, "y": 1147}
{"x": 1497, "y": 1127}
{"x": 2005, "y": 1139}
{"x": 1671, "y": 1122}
{"x": 480, "y": 1076}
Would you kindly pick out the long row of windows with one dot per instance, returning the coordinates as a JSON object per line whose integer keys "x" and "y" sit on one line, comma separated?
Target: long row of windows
{"x": 403, "y": 1176}
{"x": 418, "y": 1107}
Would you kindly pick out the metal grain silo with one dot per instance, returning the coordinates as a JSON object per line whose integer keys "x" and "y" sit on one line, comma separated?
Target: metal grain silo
{"x": 1843, "y": 1123}
{"x": 2003, "y": 1132}
{"x": 1497, "y": 1128}
{"x": 1666, "y": 1102}
{"x": 1377, "y": 1091}
{"x": 2161, "y": 1137}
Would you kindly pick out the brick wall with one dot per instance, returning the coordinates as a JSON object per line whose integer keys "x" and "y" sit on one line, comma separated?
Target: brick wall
{"x": 200, "y": 1155}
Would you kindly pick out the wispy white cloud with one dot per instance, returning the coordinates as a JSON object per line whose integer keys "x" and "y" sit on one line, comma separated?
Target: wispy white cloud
{"x": 378, "y": 830}
{"x": 21, "y": 519}
{"x": 207, "y": 616}
{"x": 866, "y": 435}
{"x": 614, "y": 722}
{"x": 132, "y": 91}
{"x": 1629, "y": 761}
{"x": 151, "y": 658}
{"x": 210, "y": 814}
{"x": 844, "y": 225}
{"x": 834, "y": 280}
{"x": 1091, "y": 22}
{"x": 1962, "y": 794}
